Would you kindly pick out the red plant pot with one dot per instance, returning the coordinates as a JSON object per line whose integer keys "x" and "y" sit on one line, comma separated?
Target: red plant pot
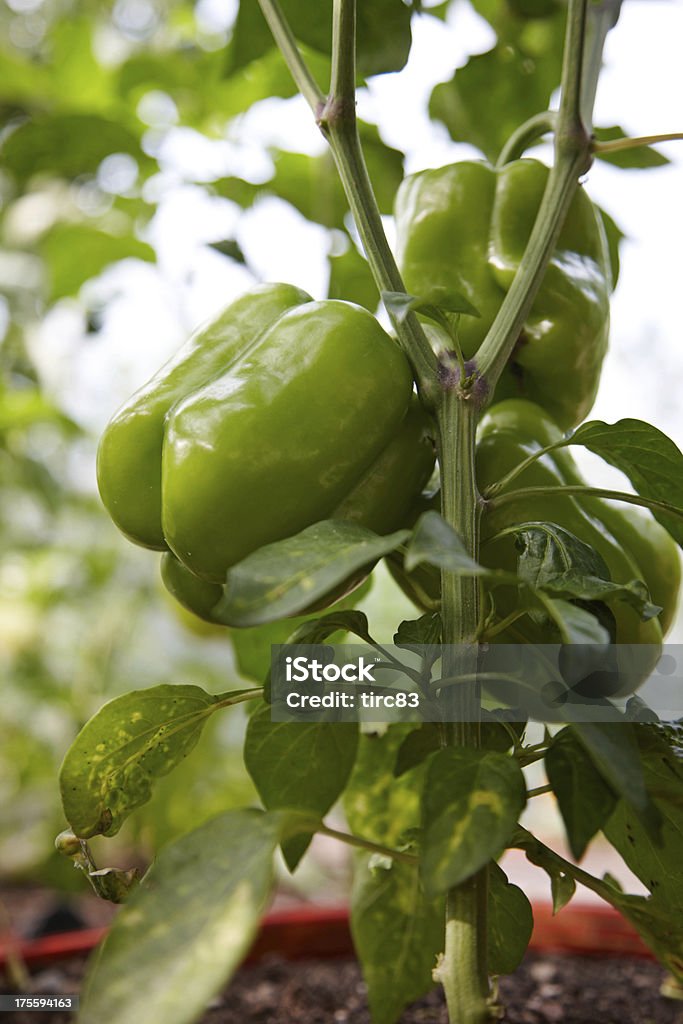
{"x": 323, "y": 931}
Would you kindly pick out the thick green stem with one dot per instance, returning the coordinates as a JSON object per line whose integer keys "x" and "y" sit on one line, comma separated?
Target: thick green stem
{"x": 457, "y": 418}
{"x": 463, "y": 969}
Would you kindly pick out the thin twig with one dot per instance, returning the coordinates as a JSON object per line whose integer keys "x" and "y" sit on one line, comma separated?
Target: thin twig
{"x": 367, "y": 844}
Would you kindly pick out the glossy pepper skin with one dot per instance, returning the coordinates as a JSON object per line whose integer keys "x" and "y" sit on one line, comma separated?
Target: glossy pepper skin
{"x": 298, "y": 411}
{"x": 464, "y": 228}
{"x": 632, "y": 546}
{"x": 398, "y": 473}
{"x": 129, "y": 452}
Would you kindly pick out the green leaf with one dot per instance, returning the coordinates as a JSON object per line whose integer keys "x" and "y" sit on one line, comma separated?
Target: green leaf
{"x": 553, "y": 559}
{"x": 433, "y": 306}
{"x": 189, "y": 74}
{"x": 650, "y": 459}
{"x": 383, "y": 33}
{"x": 656, "y": 864}
{"x": 423, "y": 637}
{"x": 299, "y": 765}
{"x": 312, "y": 185}
{"x": 535, "y": 8}
{"x": 612, "y": 748}
{"x": 435, "y": 542}
{"x": 584, "y": 799}
{"x": 261, "y": 80}
{"x": 252, "y": 646}
{"x": 74, "y": 253}
{"x": 231, "y": 248}
{"x": 66, "y": 145}
{"x": 22, "y": 80}
{"x": 413, "y": 633}
{"x": 188, "y": 925}
{"x": 659, "y": 925}
{"x": 575, "y": 586}
{"x": 575, "y": 625}
{"x": 641, "y": 158}
{"x": 418, "y": 745}
{"x": 546, "y": 551}
{"x": 397, "y": 934}
{"x": 515, "y": 79}
{"x": 562, "y": 888}
{"x": 195, "y": 80}
{"x": 315, "y": 631}
{"x": 614, "y": 238}
{"x": 22, "y": 408}
{"x": 439, "y": 11}
{"x": 79, "y": 79}
{"x": 424, "y": 741}
{"x": 110, "y": 767}
{"x": 351, "y": 279}
{"x": 510, "y": 923}
{"x": 379, "y": 806}
{"x": 471, "y": 803}
{"x": 498, "y": 730}
{"x": 113, "y": 884}
{"x": 239, "y": 191}
{"x": 286, "y": 577}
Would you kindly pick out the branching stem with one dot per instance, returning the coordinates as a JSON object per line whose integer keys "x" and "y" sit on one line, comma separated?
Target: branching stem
{"x": 367, "y": 844}
{"x": 571, "y": 490}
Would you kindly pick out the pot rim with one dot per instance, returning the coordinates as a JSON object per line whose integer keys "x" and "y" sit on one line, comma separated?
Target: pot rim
{"x": 317, "y": 931}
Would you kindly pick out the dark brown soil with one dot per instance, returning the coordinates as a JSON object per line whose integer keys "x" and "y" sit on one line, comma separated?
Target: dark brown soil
{"x": 545, "y": 990}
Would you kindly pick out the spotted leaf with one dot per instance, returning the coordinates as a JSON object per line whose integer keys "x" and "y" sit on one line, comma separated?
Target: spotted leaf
{"x": 111, "y": 765}
{"x": 471, "y": 803}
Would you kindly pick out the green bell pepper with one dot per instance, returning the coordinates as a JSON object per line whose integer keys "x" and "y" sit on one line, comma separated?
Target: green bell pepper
{"x": 129, "y": 452}
{"x": 464, "y": 227}
{"x": 398, "y": 474}
{"x": 282, "y": 412}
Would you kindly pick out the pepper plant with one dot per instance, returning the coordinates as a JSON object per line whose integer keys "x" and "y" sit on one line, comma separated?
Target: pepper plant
{"x": 282, "y": 454}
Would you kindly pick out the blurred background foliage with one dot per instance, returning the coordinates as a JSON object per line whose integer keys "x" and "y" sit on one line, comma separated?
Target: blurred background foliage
{"x": 106, "y": 110}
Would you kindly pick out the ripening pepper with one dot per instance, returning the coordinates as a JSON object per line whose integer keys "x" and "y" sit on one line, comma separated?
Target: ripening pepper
{"x": 633, "y": 545}
{"x": 280, "y": 413}
{"x": 464, "y": 227}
